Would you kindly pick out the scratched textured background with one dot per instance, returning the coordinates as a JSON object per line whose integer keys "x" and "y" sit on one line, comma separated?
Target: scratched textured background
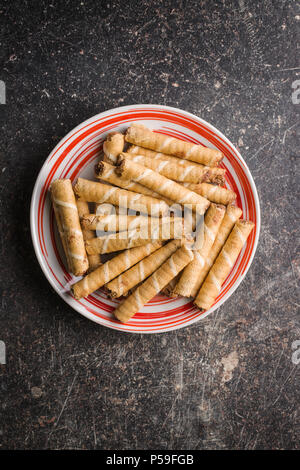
{"x": 225, "y": 383}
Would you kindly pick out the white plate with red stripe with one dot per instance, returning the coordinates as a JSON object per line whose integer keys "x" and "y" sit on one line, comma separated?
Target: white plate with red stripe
{"x": 76, "y": 154}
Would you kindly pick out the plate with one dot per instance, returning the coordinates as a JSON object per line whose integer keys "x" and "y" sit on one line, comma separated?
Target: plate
{"x": 76, "y": 154}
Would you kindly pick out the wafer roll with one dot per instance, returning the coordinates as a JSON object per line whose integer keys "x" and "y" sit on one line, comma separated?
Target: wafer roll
{"x": 112, "y": 268}
{"x": 161, "y": 184}
{"x": 115, "y": 242}
{"x": 106, "y": 172}
{"x": 174, "y": 171}
{"x": 140, "y": 135}
{"x": 88, "y": 233}
{"x": 68, "y": 223}
{"x": 113, "y": 146}
{"x": 188, "y": 284}
{"x": 154, "y": 284}
{"x": 120, "y": 223}
{"x": 113, "y": 223}
{"x": 221, "y": 268}
{"x": 135, "y": 275}
{"x": 171, "y": 228}
{"x": 213, "y": 193}
{"x": 214, "y": 175}
{"x": 137, "y": 150}
{"x": 91, "y": 191}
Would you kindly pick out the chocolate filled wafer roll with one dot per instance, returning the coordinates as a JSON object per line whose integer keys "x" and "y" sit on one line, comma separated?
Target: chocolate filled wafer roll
{"x": 135, "y": 275}
{"x": 112, "y": 268}
{"x": 154, "y": 284}
{"x": 168, "y": 290}
{"x": 188, "y": 284}
{"x": 189, "y": 173}
{"x": 214, "y": 175}
{"x": 162, "y": 185}
{"x": 106, "y": 172}
{"x": 66, "y": 213}
{"x": 88, "y": 233}
{"x": 213, "y": 192}
{"x": 92, "y": 191}
{"x": 113, "y": 146}
{"x": 140, "y": 135}
{"x": 221, "y": 268}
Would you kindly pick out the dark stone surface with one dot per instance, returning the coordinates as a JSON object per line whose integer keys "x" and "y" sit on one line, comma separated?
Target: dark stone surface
{"x": 69, "y": 383}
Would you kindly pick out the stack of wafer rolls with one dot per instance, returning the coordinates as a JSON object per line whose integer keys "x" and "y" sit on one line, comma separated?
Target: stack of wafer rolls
{"x": 140, "y": 135}
{"x": 222, "y": 266}
{"x": 138, "y": 273}
{"x": 154, "y": 284}
{"x": 67, "y": 218}
{"x": 106, "y": 172}
{"x": 169, "y": 169}
{"x": 159, "y": 183}
{"x": 111, "y": 269}
{"x": 188, "y": 284}
{"x": 231, "y": 216}
{"x": 162, "y": 212}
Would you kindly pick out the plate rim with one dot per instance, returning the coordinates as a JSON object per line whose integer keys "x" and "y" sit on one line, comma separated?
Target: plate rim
{"x": 127, "y": 108}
